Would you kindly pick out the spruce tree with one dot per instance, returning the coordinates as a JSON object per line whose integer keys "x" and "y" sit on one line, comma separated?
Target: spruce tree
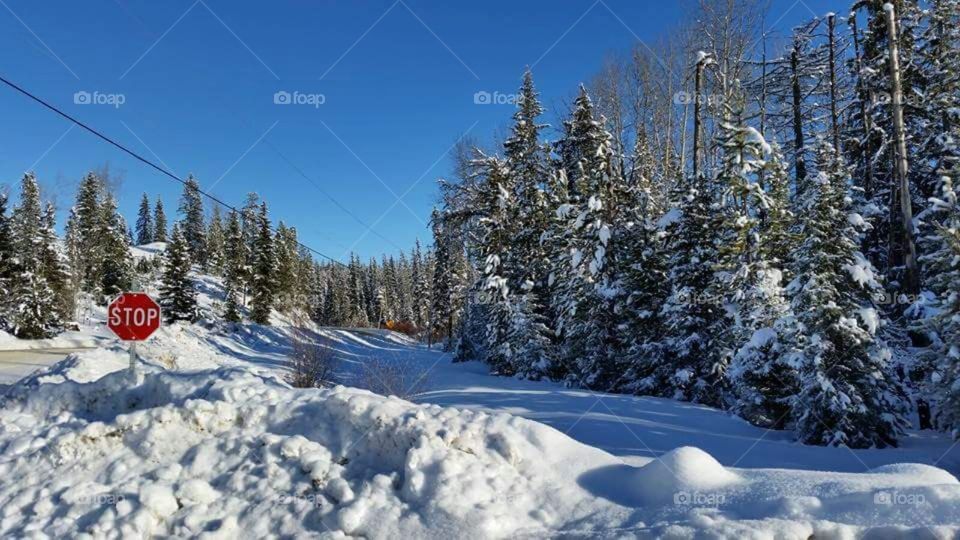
{"x": 849, "y": 395}
{"x": 87, "y": 226}
{"x": 192, "y": 224}
{"x": 527, "y": 160}
{"x": 117, "y": 264}
{"x": 593, "y": 298}
{"x": 940, "y": 363}
{"x": 215, "y": 243}
{"x": 145, "y": 229}
{"x": 54, "y": 266}
{"x": 178, "y": 295}
{"x": 37, "y": 312}
{"x": 159, "y": 222}
{"x": 263, "y": 271}
{"x": 7, "y": 264}
{"x": 235, "y": 269}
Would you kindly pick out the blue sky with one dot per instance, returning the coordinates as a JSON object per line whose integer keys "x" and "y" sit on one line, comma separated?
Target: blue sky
{"x": 198, "y": 81}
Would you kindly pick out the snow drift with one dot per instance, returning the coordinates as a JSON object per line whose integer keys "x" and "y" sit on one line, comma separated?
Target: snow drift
{"x": 236, "y": 453}
{"x": 232, "y": 453}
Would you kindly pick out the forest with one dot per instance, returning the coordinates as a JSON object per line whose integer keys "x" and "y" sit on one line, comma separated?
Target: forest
{"x": 763, "y": 224}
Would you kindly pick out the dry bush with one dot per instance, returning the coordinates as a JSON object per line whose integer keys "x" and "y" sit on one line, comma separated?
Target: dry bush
{"x": 404, "y": 327}
{"x": 311, "y": 363}
{"x": 396, "y": 376}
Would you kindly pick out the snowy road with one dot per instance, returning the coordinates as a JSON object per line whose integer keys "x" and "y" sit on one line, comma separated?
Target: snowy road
{"x": 15, "y": 365}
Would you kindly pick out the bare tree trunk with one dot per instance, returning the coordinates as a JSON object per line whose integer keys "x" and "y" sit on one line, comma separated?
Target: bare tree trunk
{"x": 834, "y": 117}
{"x": 912, "y": 275}
{"x": 698, "y": 115}
{"x": 798, "y": 143}
{"x": 867, "y": 121}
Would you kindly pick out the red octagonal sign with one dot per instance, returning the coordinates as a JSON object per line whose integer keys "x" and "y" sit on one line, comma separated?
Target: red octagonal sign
{"x": 133, "y": 316}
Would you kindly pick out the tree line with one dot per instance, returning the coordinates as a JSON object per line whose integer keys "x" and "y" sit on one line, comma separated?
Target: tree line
{"x": 664, "y": 243}
{"x": 48, "y": 282}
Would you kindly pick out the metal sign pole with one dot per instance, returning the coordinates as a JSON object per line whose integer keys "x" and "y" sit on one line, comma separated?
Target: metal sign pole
{"x": 134, "y": 374}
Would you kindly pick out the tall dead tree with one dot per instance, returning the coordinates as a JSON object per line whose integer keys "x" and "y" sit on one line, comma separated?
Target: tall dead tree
{"x": 912, "y": 275}
{"x": 832, "y": 47}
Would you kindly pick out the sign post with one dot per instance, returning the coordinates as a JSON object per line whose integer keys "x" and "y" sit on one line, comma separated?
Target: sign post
{"x": 133, "y": 317}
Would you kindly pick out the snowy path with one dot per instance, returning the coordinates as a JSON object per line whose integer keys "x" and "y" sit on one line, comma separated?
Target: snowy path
{"x": 15, "y": 365}
{"x": 637, "y": 428}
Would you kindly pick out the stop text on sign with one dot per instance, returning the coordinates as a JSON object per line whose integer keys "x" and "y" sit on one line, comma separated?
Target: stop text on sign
{"x": 133, "y": 316}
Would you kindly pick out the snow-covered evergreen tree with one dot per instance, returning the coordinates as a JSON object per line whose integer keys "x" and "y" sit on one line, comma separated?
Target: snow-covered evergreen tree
{"x": 159, "y": 222}
{"x": 117, "y": 265}
{"x": 145, "y": 231}
{"x": 263, "y": 271}
{"x": 37, "y": 312}
{"x": 941, "y": 361}
{"x": 235, "y": 269}
{"x": 192, "y": 221}
{"x": 215, "y": 243}
{"x": 849, "y": 395}
{"x": 592, "y": 298}
{"x": 178, "y": 295}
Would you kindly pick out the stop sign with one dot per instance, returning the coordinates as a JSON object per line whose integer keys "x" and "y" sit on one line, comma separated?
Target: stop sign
{"x": 133, "y": 316}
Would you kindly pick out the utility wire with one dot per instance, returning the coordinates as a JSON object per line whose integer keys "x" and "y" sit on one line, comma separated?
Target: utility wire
{"x": 144, "y": 160}
{"x": 328, "y": 195}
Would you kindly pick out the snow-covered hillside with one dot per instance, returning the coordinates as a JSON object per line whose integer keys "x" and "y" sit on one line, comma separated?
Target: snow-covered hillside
{"x": 213, "y": 443}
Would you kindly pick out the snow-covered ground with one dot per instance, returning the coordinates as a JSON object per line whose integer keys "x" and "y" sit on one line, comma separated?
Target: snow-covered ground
{"x": 213, "y": 443}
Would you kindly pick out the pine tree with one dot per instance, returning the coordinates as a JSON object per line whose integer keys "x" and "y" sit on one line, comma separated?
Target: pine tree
{"x": 193, "y": 228}
{"x": 145, "y": 228}
{"x": 940, "y": 363}
{"x": 215, "y": 243}
{"x": 235, "y": 269}
{"x": 37, "y": 312}
{"x": 493, "y": 287}
{"x": 55, "y": 268}
{"x": 87, "y": 226}
{"x": 527, "y": 160}
{"x": 594, "y": 297}
{"x": 743, "y": 281}
{"x": 848, "y": 395}
{"x": 7, "y": 264}
{"x": 688, "y": 310}
{"x": 263, "y": 271}
{"x": 764, "y": 369}
{"x": 159, "y": 222}
{"x": 117, "y": 265}
{"x": 287, "y": 260}
{"x": 178, "y": 295}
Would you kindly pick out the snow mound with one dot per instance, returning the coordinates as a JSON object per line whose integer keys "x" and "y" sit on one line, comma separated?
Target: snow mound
{"x": 232, "y": 452}
{"x": 681, "y": 471}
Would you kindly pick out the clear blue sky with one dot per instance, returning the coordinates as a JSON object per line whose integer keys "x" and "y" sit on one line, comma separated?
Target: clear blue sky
{"x": 198, "y": 80}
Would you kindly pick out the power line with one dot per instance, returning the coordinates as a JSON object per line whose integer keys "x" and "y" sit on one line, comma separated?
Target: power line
{"x": 144, "y": 160}
{"x": 328, "y": 195}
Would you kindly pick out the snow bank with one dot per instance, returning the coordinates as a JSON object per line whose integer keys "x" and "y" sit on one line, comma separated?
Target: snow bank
{"x": 232, "y": 453}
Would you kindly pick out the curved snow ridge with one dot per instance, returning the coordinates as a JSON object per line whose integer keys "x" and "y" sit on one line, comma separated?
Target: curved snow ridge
{"x": 238, "y": 454}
